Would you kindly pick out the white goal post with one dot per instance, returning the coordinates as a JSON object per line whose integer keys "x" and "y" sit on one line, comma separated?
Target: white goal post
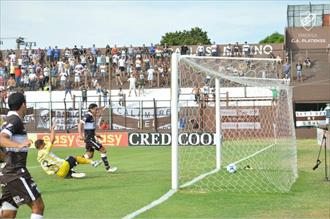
{"x": 254, "y": 147}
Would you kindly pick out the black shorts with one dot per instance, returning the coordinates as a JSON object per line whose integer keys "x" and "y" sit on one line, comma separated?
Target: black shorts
{"x": 72, "y": 162}
{"x": 92, "y": 144}
{"x": 20, "y": 191}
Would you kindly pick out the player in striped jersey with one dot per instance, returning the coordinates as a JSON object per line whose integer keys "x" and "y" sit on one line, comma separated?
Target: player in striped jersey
{"x": 18, "y": 186}
{"x": 88, "y": 124}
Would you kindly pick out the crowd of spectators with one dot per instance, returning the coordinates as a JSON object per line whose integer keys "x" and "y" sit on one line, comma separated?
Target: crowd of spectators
{"x": 128, "y": 67}
{"x": 42, "y": 69}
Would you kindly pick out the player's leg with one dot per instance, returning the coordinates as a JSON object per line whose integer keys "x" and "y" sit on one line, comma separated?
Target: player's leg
{"x": 8, "y": 206}
{"x": 37, "y": 208}
{"x": 89, "y": 149}
{"x": 83, "y": 160}
{"x": 64, "y": 170}
{"x": 99, "y": 147}
{"x": 25, "y": 191}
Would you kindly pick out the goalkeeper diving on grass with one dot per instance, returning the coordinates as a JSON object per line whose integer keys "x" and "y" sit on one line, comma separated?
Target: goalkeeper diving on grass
{"x": 53, "y": 165}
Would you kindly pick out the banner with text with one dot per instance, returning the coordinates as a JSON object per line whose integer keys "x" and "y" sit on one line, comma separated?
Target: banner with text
{"x": 72, "y": 140}
{"x": 165, "y": 139}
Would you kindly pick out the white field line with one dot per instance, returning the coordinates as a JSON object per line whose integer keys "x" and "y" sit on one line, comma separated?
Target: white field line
{"x": 198, "y": 178}
{"x": 258, "y": 152}
{"x": 172, "y": 192}
{"x": 167, "y": 195}
{"x": 151, "y": 205}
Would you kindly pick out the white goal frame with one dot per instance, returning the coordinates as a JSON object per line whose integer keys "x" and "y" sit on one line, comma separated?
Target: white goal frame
{"x": 175, "y": 186}
{"x": 174, "y": 126}
{"x": 174, "y": 117}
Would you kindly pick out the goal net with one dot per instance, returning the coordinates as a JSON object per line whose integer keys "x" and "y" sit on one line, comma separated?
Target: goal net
{"x": 252, "y": 147}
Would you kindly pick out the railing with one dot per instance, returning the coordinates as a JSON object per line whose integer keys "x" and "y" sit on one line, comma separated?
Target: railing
{"x": 143, "y": 115}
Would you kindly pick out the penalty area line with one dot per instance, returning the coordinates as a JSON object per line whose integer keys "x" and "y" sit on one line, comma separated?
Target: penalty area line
{"x": 151, "y": 205}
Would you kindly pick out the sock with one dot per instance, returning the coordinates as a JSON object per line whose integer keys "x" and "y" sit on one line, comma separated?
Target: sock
{"x": 36, "y": 216}
{"x": 83, "y": 160}
{"x": 105, "y": 160}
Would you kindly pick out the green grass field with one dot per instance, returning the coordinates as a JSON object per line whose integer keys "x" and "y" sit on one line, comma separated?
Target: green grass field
{"x": 144, "y": 175}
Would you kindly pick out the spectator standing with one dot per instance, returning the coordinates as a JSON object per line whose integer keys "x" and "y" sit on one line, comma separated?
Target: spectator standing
{"x": 118, "y": 78}
{"x": 63, "y": 77}
{"x": 18, "y": 75}
{"x": 57, "y": 53}
{"x": 103, "y": 71}
{"x": 152, "y": 51}
{"x": 77, "y": 74}
{"x": 138, "y": 65}
{"x": 67, "y": 54}
{"x": 228, "y": 50}
{"x": 84, "y": 96}
{"x": 158, "y": 54}
{"x": 98, "y": 89}
{"x": 11, "y": 83}
{"x": 184, "y": 50}
{"x": 68, "y": 88}
{"x": 60, "y": 65}
{"x": 32, "y": 81}
{"x": 122, "y": 67}
{"x": 107, "y": 50}
{"x": 82, "y": 51}
{"x": 237, "y": 50}
{"x": 75, "y": 52}
{"x": 132, "y": 85}
{"x": 121, "y": 96}
{"x": 151, "y": 72}
{"x": 246, "y": 49}
{"x": 46, "y": 71}
{"x": 196, "y": 93}
{"x": 146, "y": 63}
{"x": 93, "y": 50}
{"x": 114, "y": 50}
{"x": 200, "y": 50}
{"x": 49, "y": 54}
{"x": 130, "y": 52}
{"x": 54, "y": 74}
{"x": 141, "y": 84}
{"x": 26, "y": 80}
{"x": 214, "y": 49}
{"x": 299, "y": 67}
{"x": 105, "y": 93}
{"x": 287, "y": 69}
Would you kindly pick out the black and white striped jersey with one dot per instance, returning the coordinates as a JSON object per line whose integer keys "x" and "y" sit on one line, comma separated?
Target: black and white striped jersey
{"x": 15, "y": 158}
{"x": 89, "y": 125}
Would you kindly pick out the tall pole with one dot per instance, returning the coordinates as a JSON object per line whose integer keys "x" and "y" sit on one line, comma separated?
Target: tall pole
{"x": 174, "y": 120}
{"x": 217, "y": 124}
{"x": 110, "y": 91}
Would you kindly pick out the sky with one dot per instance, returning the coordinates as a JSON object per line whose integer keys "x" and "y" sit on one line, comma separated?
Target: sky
{"x": 67, "y": 23}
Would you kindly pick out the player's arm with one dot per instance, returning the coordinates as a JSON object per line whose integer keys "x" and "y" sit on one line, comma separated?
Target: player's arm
{"x": 6, "y": 142}
{"x": 52, "y": 133}
{"x": 81, "y": 128}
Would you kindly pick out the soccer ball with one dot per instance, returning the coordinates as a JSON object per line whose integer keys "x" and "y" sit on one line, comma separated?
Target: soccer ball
{"x": 231, "y": 168}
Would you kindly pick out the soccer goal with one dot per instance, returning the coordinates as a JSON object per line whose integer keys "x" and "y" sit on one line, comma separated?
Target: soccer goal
{"x": 232, "y": 125}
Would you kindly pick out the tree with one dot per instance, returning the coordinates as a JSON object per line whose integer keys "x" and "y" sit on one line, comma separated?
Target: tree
{"x": 192, "y": 37}
{"x": 273, "y": 38}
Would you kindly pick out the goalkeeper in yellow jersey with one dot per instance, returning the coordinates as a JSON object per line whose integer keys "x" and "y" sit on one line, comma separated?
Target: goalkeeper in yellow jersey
{"x": 52, "y": 164}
